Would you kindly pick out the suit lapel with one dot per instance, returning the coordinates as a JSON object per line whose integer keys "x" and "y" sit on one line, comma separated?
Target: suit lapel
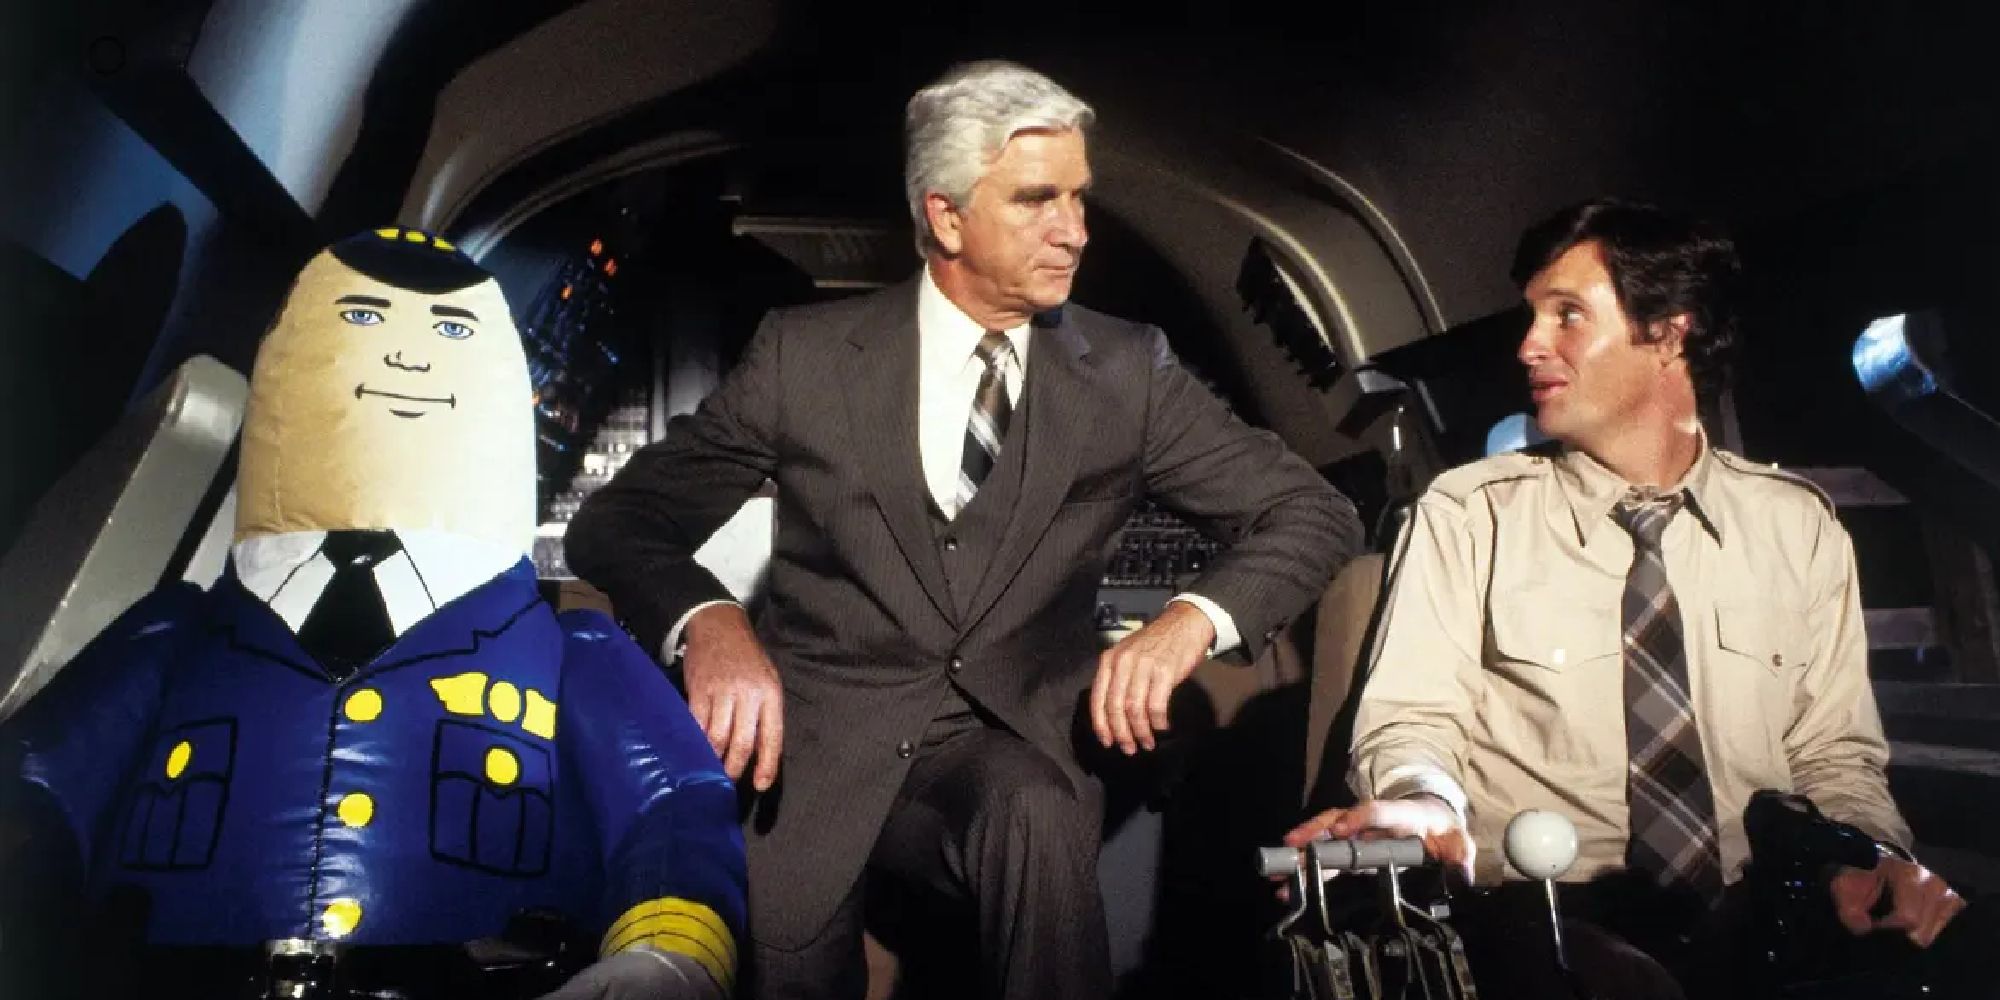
{"x": 1058, "y": 403}
{"x": 880, "y": 384}
{"x": 253, "y": 628}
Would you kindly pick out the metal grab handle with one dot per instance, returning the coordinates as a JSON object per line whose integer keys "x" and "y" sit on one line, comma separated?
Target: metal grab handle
{"x": 1343, "y": 855}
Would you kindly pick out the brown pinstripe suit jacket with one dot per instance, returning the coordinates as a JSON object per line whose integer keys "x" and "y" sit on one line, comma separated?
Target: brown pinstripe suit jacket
{"x": 858, "y": 619}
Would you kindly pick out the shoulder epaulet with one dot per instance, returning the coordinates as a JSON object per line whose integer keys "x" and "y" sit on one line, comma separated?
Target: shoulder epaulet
{"x": 1461, "y": 482}
{"x": 1737, "y": 463}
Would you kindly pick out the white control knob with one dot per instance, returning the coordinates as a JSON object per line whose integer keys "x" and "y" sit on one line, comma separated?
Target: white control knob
{"x": 1540, "y": 844}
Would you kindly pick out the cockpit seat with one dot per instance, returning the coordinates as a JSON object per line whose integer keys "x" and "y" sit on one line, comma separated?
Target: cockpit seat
{"x": 107, "y": 532}
{"x": 1343, "y": 630}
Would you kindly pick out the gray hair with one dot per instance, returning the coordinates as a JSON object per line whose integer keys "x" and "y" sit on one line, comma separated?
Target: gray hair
{"x": 957, "y": 126}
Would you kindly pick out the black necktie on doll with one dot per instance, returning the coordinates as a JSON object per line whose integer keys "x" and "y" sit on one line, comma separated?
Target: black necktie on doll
{"x": 350, "y": 623}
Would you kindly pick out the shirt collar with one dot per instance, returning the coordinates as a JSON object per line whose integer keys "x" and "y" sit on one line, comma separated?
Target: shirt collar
{"x": 450, "y": 565}
{"x": 949, "y": 336}
{"x": 1591, "y": 490}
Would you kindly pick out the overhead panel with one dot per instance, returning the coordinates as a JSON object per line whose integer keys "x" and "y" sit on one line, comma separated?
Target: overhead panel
{"x": 836, "y": 253}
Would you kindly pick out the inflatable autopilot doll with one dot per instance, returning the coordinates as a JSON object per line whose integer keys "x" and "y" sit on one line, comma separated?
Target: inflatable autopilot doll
{"x": 370, "y": 751}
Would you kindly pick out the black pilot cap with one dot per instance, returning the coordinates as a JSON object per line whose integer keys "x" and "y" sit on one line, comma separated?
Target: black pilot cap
{"x": 409, "y": 259}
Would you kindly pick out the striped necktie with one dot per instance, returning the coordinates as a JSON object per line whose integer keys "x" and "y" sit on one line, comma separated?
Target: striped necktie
{"x": 1672, "y": 807}
{"x": 988, "y": 423}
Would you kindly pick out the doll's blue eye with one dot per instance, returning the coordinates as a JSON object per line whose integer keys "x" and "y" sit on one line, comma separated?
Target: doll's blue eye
{"x": 362, "y": 317}
{"x": 456, "y": 331}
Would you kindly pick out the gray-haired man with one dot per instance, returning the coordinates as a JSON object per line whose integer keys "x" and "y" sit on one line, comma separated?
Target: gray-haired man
{"x": 952, "y": 456}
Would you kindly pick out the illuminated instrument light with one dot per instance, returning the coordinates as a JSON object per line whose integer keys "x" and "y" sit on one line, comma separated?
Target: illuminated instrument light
{"x": 596, "y": 247}
{"x": 1883, "y": 359}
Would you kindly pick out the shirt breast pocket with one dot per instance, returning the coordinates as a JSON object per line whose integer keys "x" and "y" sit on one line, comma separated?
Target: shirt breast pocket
{"x": 492, "y": 800}
{"x": 1553, "y": 632}
{"x": 1553, "y": 676}
{"x": 1760, "y": 633}
{"x": 1760, "y": 651}
{"x": 176, "y": 810}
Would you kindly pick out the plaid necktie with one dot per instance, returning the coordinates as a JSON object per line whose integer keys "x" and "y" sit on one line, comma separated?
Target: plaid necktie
{"x": 988, "y": 424}
{"x": 1673, "y": 810}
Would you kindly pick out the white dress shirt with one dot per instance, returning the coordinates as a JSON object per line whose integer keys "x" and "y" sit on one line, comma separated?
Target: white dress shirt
{"x": 434, "y": 568}
{"x": 948, "y": 373}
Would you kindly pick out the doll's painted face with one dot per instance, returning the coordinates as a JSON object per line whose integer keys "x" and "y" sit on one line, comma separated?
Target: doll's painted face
{"x": 410, "y": 355}
{"x": 375, "y": 405}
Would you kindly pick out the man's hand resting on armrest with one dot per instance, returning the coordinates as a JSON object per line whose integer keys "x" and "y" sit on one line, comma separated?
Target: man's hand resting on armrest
{"x": 1136, "y": 677}
{"x": 1425, "y": 816}
{"x": 734, "y": 693}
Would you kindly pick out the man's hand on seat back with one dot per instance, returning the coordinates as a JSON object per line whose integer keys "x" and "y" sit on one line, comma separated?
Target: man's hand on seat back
{"x": 1922, "y": 904}
{"x": 1137, "y": 676}
{"x": 734, "y": 692}
{"x": 1425, "y": 816}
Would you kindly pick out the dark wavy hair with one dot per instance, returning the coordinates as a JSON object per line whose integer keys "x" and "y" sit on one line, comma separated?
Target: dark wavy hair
{"x": 1662, "y": 264}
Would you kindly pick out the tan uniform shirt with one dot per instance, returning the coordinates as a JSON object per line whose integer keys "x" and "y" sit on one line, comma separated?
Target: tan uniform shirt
{"x": 1498, "y": 682}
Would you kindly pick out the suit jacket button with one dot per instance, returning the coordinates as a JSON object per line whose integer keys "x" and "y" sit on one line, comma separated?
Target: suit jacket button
{"x": 951, "y": 545}
{"x": 905, "y": 749}
{"x": 957, "y": 664}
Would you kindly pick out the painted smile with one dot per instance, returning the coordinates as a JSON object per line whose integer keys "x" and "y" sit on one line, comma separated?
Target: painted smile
{"x": 363, "y": 390}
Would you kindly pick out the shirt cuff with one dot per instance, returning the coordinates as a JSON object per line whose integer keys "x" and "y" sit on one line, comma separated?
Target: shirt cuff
{"x": 671, "y": 648}
{"x": 1226, "y": 636}
{"x": 1886, "y": 836}
{"x": 1411, "y": 780}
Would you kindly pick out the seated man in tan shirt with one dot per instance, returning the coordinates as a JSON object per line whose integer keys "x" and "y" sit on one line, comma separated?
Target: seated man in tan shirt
{"x": 1634, "y": 629}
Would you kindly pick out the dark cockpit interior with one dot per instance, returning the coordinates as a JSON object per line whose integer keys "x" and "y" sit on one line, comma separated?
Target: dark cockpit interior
{"x": 1316, "y": 204}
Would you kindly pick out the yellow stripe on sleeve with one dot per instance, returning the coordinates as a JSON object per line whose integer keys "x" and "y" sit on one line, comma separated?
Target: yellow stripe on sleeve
{"x": 680, "y": 926}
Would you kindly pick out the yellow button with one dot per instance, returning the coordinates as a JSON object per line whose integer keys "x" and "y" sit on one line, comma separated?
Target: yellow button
{"x": 341, "y": 917}
{"x": 364, "y": 705}
{"x": 504, "y": 700}
{"x": 177, "y": 759}
{"x": 356, "y": 809}
{"x": 502, "y": 768}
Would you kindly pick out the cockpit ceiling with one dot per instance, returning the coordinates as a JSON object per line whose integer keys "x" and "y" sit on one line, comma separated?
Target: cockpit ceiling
{"x": 1459, "y": 128}
{"x": 1442, "y": 132}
